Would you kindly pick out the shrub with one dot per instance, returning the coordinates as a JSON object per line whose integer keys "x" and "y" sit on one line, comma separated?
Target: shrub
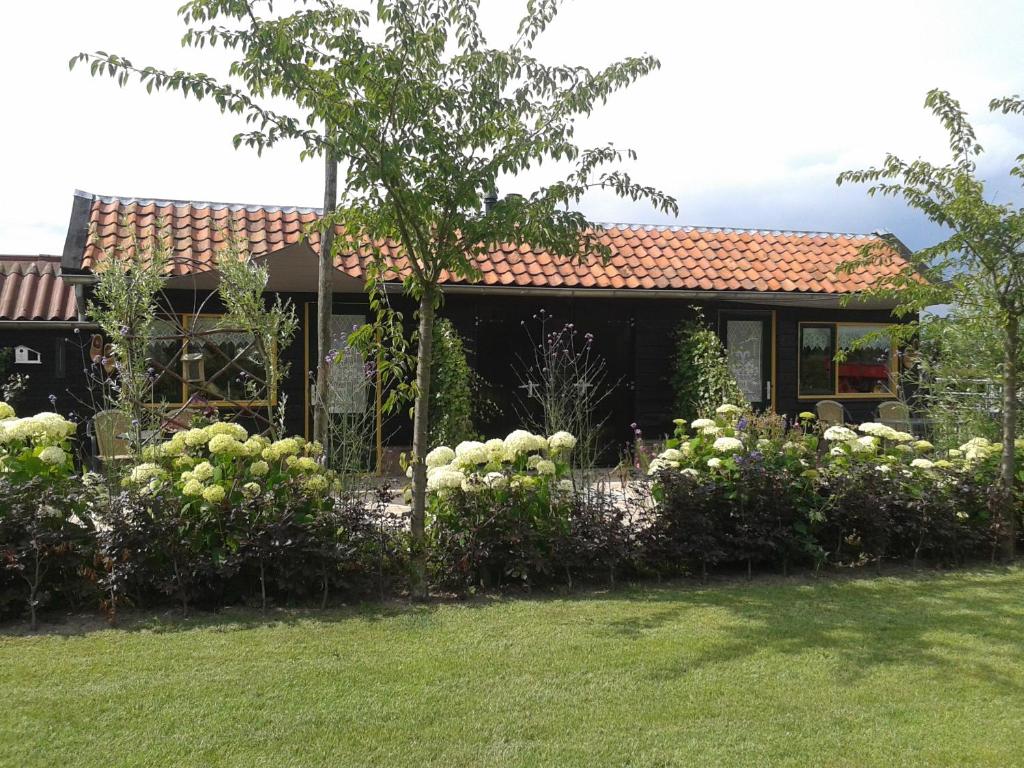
{"x": 497, "y": 508}
{"x": 45, "y": 547}
{"x": 451, "y": 406}
{"x": 701, "y": 378}
{"x": 215, "y": 515}
{"x": 43, "y": 540}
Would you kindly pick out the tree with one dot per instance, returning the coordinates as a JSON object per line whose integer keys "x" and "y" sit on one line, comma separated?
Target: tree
{"x": 426, "y": 118}
{"x": 979, "y": 267}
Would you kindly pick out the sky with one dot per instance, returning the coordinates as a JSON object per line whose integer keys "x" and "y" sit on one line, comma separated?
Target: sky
{"x": 755, "y": 110}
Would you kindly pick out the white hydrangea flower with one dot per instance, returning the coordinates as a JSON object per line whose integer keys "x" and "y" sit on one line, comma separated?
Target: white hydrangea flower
{"x": 545, "y": 467}
{"x": 671, "y": 454}
{"x": 700, "y": 424}
{"x": 923, "y": 446}
{"x": 689, "y": 472}
{"x": 225, "y": 444}
{"x": 237, "y": 431}
{"x": 196, "y": 437}
{"x": 441, "y": 456}
{"x": 660, "y": 464}
{"x": 214, "y": 494}
{"x": 192, "y": 488}
{"x": 901, "y": 437}
{"x": 255, "y": 445}
{"x": 443, "y": 478}
{"x": 471, "y": 453}
{"x": 144, "y": 473}
{"x": 521, "y": 442}
{"x": 495, "y": 449}
{"x": 728, "y": 445}
{"x": 728, "y": 409}
{"x": 865, "y": 444}
{"x": 838, "y": 433}
{"x": 53, "y": 455}
{"x": 714, "y": 463}
{"x": 561, "y": 441}
{"x": 922, "y": 463}
{"x": 315, "y": 484}
{"x": 203, "y": 471}
{"x": 306, "y": 464}
{"x": 288, "y": 446}
{"x": 6, "y": 411}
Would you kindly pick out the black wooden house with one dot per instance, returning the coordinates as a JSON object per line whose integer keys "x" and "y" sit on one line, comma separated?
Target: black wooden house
{"x": 775, "y": 297}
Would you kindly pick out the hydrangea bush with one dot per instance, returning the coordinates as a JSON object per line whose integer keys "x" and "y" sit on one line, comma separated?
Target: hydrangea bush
{"x": 35, "y": 446}
{"x": 850, "y": 492}
{"x": 41, "y": 532}
{"x": 497, "y": 509}
{"x": 221, "y": 465}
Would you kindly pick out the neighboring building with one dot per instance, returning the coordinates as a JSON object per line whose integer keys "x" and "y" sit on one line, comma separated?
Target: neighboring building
{"x": 775, "y": 298}
{"x": 38, "y": 317}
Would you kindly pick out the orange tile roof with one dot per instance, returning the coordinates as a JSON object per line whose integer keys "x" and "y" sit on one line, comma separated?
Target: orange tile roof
{"x": 31, "y": 289}
{"x": 643, "y": 257}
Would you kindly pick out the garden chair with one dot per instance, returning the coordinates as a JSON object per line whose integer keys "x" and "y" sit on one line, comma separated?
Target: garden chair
{"x": 895, "y": 414}
{"x": 830, "y": 413}
{"x": 109, "y": 430}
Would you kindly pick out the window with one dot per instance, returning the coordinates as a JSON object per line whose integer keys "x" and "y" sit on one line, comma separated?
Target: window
{"x": 869, "y": 370}
{"x": 232, "y": 371}
{"x": 227, "y": 362}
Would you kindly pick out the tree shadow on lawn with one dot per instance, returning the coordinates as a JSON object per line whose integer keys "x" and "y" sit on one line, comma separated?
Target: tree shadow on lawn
{"x": 916, "y": 619}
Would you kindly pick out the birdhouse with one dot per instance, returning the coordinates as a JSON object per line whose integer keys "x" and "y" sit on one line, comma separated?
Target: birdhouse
{"x": 193, "y": 368}
{"x": 26, "y": 356}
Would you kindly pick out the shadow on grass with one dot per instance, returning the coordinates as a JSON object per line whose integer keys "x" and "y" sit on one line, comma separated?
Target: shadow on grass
{"x": 918, "y": 619}
{"x": 863, "y": 621}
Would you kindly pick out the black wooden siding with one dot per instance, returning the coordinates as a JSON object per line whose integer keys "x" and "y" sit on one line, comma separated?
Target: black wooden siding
{"x": 636, "y": 336}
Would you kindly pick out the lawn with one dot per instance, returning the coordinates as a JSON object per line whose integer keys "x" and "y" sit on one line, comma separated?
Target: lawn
{"x": 908, "y": 670}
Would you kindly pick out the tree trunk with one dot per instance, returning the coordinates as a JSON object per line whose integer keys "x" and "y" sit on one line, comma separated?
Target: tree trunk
{"x": 324, "y": 302}
{"x": 420, "y": 440}
{"x": 1008, "y": 466}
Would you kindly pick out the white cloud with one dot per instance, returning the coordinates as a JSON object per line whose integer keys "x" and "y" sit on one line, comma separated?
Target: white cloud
{"x": 757, "y": 107}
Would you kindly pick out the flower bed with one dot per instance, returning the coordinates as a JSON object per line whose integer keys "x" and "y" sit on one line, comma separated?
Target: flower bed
{"x": 215, "y": 515}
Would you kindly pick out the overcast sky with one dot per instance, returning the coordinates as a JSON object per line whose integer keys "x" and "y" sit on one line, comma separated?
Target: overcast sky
{"x": 757, "y": 107}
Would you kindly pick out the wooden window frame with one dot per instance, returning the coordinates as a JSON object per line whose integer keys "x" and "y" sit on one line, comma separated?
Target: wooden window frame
{"x": 836, "y": 394}
{"x": 185, "y": 318}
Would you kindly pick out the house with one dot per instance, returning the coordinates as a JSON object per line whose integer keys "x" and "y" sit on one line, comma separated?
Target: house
{"x": 39, "y": 313}
{"x": 775, "y": 297}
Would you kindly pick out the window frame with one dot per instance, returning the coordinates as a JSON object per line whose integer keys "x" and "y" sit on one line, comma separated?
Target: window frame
{"x": 185, "y": 319}
{"x": 835, "y": 325}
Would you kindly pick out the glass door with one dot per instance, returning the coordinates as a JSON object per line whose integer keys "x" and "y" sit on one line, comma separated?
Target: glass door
{"x": 748, "y": 344}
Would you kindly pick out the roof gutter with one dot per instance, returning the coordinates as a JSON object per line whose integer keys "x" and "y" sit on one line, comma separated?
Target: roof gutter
{"x": 78, "y": 276}
{"x": 84, "y": 278}
{"x": 780, "y": 297}
{"x": 67, "y": 325}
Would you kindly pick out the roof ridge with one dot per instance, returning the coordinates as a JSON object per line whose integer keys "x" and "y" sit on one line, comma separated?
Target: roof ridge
{"x": 236, "y": 206}
{"x": 736, "y": 230}
{"x": 160, "y": 202}
{"x": 28, "y": 257}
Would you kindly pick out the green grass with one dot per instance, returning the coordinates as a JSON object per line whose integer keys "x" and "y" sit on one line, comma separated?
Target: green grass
{"x": 925, "y": 670}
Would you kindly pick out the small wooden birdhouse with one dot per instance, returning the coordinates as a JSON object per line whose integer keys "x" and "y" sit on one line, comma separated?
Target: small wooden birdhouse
{"x": 27, "y": 356}
{"x": 193, "y": 368}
